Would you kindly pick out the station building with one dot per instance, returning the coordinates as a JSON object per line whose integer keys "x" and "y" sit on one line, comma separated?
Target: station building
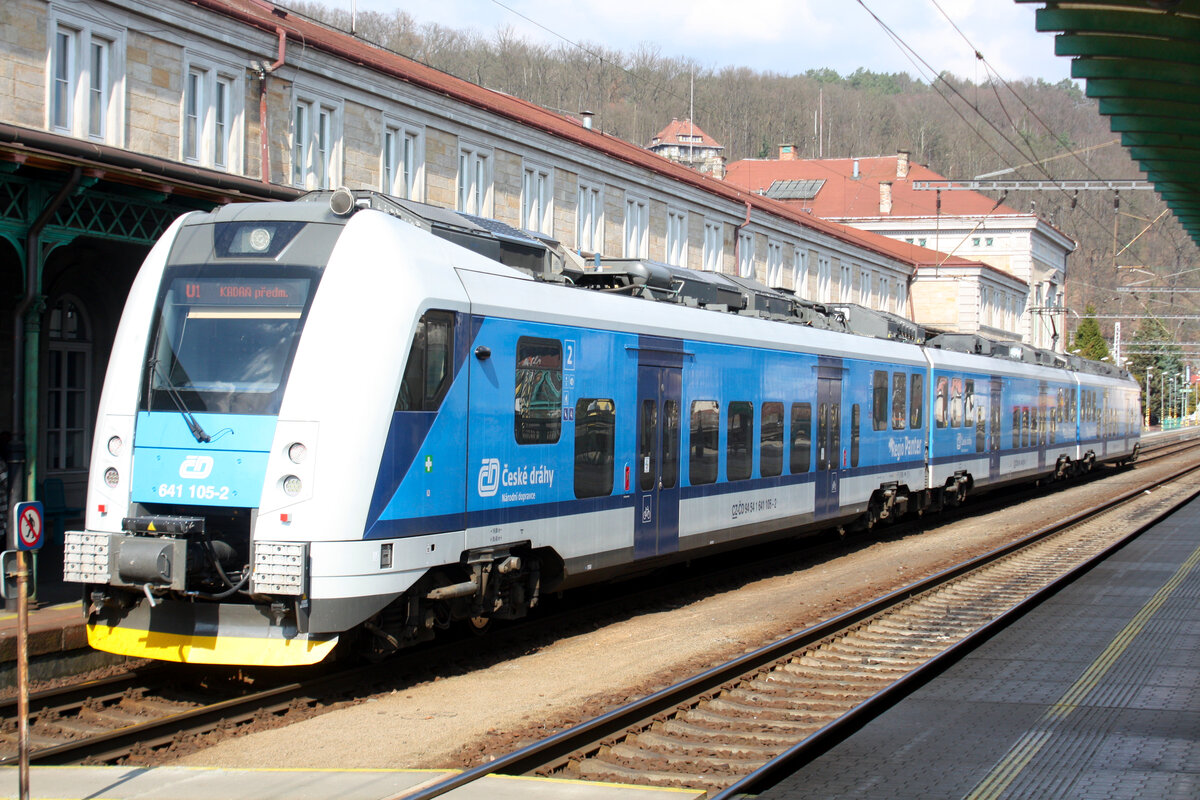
{"x": 1018, "y": 262}
{"x": 116, "y": 116}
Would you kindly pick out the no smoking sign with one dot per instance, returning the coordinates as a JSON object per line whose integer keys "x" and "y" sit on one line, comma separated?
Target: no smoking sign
{"x": 30, "y": 525}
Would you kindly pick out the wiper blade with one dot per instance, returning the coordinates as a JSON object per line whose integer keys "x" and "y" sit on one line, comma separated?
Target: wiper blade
{"x": 193, "y": 425}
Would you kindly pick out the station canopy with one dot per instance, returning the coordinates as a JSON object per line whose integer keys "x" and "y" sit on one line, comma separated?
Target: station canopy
{"x": 1140, "y": 60}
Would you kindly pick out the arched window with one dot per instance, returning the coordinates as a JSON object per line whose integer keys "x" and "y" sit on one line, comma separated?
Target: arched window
{"x": 68, "y": 388}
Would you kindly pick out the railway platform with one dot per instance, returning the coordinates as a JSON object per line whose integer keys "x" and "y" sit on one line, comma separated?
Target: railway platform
{"x": 57, "y": 644}
{"x": 1095, "y": 694}
{"x": 197, "y": 783}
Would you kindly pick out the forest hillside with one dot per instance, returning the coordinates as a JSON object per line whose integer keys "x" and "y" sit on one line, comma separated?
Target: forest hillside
{"x": 958, "y": 128}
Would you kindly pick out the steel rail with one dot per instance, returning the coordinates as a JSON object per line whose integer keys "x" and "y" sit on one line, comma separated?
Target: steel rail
{"x": 121, "y": 741}
{"x": 789, "y": 761}
{"x": 591, "y": 733}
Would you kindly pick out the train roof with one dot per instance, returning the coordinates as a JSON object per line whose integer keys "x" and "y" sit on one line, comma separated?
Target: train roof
{"x": 545, "y": 260}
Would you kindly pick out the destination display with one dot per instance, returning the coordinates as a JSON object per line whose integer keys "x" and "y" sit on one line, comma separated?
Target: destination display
{"x": 240, "y": 292}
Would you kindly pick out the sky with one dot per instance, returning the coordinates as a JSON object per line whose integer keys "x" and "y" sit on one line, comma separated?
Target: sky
{"x": 783, "y": 36}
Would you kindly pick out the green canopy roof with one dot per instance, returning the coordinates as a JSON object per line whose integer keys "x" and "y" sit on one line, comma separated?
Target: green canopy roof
{"x": 1140, "y": 59}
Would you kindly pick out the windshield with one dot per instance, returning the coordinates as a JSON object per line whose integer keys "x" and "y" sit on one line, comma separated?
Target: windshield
{"x": 224, "y": 339}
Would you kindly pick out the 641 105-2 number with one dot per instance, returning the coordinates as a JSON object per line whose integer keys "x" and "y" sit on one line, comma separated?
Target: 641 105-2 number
{"x": 193, "y": 492}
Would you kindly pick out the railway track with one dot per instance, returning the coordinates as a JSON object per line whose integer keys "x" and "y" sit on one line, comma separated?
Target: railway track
{"x": 106, "y": 720}
{"x": 731, "y": 729}
{"x": 154, "y": 708}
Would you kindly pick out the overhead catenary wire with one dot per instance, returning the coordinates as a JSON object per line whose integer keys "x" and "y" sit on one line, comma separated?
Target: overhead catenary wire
{"x": 993, "y": 77}
{"x": 905, "y": 47}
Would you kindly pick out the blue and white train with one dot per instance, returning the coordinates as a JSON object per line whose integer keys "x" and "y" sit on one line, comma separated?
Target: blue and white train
{"x": 329, "y": 419}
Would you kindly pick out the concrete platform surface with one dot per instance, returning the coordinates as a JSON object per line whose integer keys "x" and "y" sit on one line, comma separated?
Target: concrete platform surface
{"x": 202, "y": 783}
{"x": 1095, "y": 695}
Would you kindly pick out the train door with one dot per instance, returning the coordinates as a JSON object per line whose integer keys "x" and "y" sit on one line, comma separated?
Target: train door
{"x": 995, "y": 418}
{"x": 829, "y": 441}
{"x": 1043, "y": 423}
{"x": 656, "y": 487}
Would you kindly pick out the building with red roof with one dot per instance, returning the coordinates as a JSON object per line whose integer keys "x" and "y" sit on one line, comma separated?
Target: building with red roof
{"x": 129, "y": 113}
{"x": 683, "y": 142}
{"x": 881, "y": 194}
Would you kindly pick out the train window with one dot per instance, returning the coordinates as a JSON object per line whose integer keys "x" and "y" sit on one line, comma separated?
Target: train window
{"x": 822, "y": 436}
{"x": 879, "y": 401}
{"x": 1016, "y": 438}
{"x": 854, "y": 423}
{"x": 1024, "y": 426}
{"x": 955, "y": 402}
{"x": 968, "y": 404}
{"x": 648, "y": 437}
{"x": 835, "y": 436}
{"x": 703, "y": 442}
{"x": 916, "y": 398}
{"x": 430, "y": 363}
{"x": 223, "y": 342}
{"x": 538, "y": 405}
{"x": 980, "y": 428}
{"x": 770, "y": 455}
{"x": 595, "y": 422}
{"x": 801, "y": 449}
{"x": 941, "y": 403}
{"x": 898, "y": 400}
{"x": 670, "y": 444}
{"x": 739, "y": 449}
{"x": 994, "y": 436}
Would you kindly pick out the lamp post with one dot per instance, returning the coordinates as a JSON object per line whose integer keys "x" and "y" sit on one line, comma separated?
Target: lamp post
{"x": 1148, "y": 371}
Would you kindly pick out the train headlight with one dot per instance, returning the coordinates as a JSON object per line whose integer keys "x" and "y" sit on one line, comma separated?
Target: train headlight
{"x": 112, "y": 477}
{"x": 260, "y": 239}
{"x": 114, "y": 446}
{"x": 292, "y": 485}
{"x": 296, "y": 452}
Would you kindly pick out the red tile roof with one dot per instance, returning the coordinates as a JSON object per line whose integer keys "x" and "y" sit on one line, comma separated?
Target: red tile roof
{"x": 683, "y": 127}
{"x": 844, "y": 196}
{"x": 302, "y": 32}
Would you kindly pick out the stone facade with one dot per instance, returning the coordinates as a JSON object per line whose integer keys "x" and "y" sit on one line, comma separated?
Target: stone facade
{"x": 441, "y": 168}
{"x": 23, "y": 70}
{"x": 506, "y": 181}
{"x": 363, "y": 135}
{"x": 155, "y": 88}
{"x": 614, "y": 220}
{"x": 157, "y": 42}
{"x": 566, "y": 188}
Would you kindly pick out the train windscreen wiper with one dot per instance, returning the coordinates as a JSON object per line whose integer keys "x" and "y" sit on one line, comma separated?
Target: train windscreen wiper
{"x": 192, "y": 423}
